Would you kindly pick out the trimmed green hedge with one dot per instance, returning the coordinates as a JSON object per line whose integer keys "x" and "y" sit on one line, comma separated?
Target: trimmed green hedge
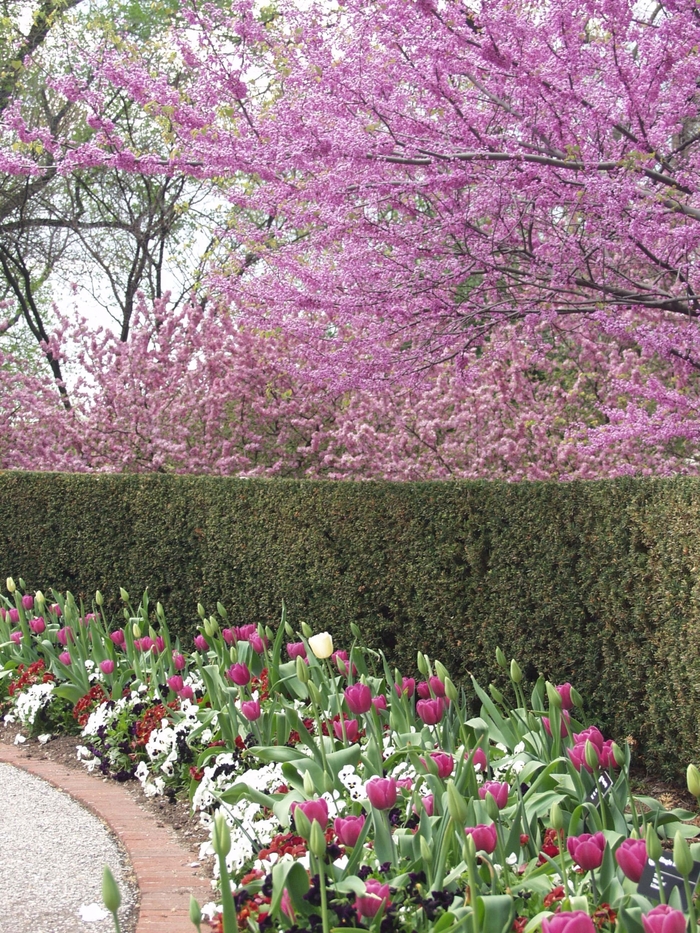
{"x": 596, "y": 582}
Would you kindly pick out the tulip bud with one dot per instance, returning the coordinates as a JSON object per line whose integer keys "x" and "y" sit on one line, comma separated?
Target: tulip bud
{"x": 309, "y": 786}
{"x": 302, "y": 823}
{"x": 617, "y": 754}
{"x": 160, "y": 612}
{"x": 110, "y": 891}
{"x": 10, "y": 584}
{"x": 496, "y": 693}
{"x": 99, "y": 599}
{"x": 289, "y": 631}
{"x": 501, "y": 659}
{"x": 302, "y": 671}
{"x": 222, "y": 612}
{"x": 317, "y": 840}
{"x": 200, "y": 611}
{"x": 451, "y": 690}
{"x": 456, "y": 804}
{"x": 127, "y": 614}
{"x": 123, "y": 593}
{"x": 221, "y": 837}
{"x": 591, "y": 755}
{"x": 208, "y": 630}
{"x": 39, "y": 599}
{"x": 306, "y": 630}
{"x": 553, "y": 695}
{"x": 342, "y": 666}
{"x": 576, "y": 698}
{"x": 355, "y": 629}
{"x": 269, "y": 634}
{"x": 556, "y": 817}
{"x": 422, "y": 663}
{"x": 136, "y": 629}
{"x": 314, "y": 693}
{"x": 441, "y": 671}
{"x": 532, "y": 722}
{"x": 22, "y": 584}
{"x": 693, "y": 779}
{"x": 425, "y": 851}
{"x": 682, "y": 858}
{"x": 516, "y": 674}
{"x": 321, "y": 645}
{"x": 233, "y": 654}
{"x": 195, "y": 912}
{"x": 654, "y": 849}
{"x": 491, "y": 807}
{"x": 214, "y": 625}
{"x": 469, "y": 848}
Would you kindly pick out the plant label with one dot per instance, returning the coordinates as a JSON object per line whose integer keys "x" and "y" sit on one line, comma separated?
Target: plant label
{"x": 670, "y": 878}
{"x": 605, "y": 782}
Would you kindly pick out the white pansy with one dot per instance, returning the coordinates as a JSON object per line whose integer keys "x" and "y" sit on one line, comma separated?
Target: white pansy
{"x": 44, "y": 738}
{"x": 519, "y": 748}
{"x": 20, "y": 739}
{"x": 31, "y": 701}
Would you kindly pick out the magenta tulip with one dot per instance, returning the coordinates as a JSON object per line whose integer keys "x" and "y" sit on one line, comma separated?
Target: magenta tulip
{"x": 573, "y": 921}
{"x": 577, "y": 754}
{"x": 631, "y": 856}
{"x": 485, "y": 837}
{"x": 228, "y": 635}
{"x": 428, "y": 804}
{"x": 664, "y": 919}
{"x": 375, "y": 897}
{"x": 159, "y": 644}
{"x": 16, "y": 637}
{"x": 316, "y": 809}
{"x": 187, "y": 693}
{"x": 359, "y": 698}
{"x": 175, "y": 683}
{"x": 607, "y": 755}
{"x": 498, "y": 790}
{"x": 592, "y": 734}
{"x": 145, "y": 643}
{"x": 64, "y": 657}
{"x": 37, "y": 625}
{"x": 564, "y": 691}
{"x": 118, "y": 638}
{"x": 348, "y": 829}
{"x": 587, "y": 850}
{"x": 296, "y": 649}
{"x": 200, "y": 643}
{"x": 565, "y": 721}
{"x": 251, "y": 710}
{"x": 107, "y": 667}
{"x": 430, "y": 711}
{"x": 382, "y": 792}
{"x": 244, "y": 632}
{"x": 352, "y": 730}
{"x": 287, "y": 907}
{"x": 14, "y": 615}
{"x": 27, "y": 601}
{"x": 437, "y": 686}
{"x": 63, "y": 634}
{"x": 179, "y": 662}
{"x": 239, "y": 674}
{"x": 56, "y": 609}
{"x": 479, "y": 759}
{"x": 256, "y": 643}
{"x": 445, "y": 763}
{"x": 423, "y": 690}
{"x": 379, "y": 702}
{"x": 407, "y": 687}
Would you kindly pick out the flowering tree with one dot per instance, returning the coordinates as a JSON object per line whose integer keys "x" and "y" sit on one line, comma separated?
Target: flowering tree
{"x": 423, "y": 184}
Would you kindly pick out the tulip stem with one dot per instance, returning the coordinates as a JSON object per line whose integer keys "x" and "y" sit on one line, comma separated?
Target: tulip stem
{"x": 693, "y": 924}
{"x": 324, "y": 894}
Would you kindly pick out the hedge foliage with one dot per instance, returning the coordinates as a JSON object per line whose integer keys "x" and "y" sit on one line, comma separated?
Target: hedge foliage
{"x": 596, "y": 583}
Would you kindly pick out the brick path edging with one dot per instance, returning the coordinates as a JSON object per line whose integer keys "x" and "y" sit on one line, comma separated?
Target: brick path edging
{"x": 161, "y": 864}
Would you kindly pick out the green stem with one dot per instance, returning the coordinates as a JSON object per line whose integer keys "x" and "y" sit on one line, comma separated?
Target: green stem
{"x": 693, "y": 924}
{"x": 324, "y": 895}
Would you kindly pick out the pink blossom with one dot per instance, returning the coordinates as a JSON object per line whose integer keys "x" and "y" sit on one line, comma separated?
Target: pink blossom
{"x": 37, "y": 625}
{"x": 358, "y": 698}
{"x": 348, "y": 829}
{"x": 574, "y": 921}
{"x": 251, "y": 710}
{"x": 175, "y": 683}
{"x": 631, "y": 856}
{"x": 118, "y": 637}
{"x": 64, "y": 657}
{"x": 587, "y": 850}
{"x": 498, "y": 790}
{"x": 352, "y": 730}
{"x": 430, "y": 711}
{"x": 485, "y": 837}
{"x": 406, "y": 687}
{"x": 315, "y": 809}
{"x": 382, "y": 792}
{"x": 664, "y": 919}
{"x": 375, "y": 898}
{"x": 107, "y": 666}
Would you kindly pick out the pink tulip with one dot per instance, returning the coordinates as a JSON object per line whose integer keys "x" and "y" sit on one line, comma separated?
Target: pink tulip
{"x": 565, "y": 720}
{"x": 573, "y": 921}
{"x": 445, "y": 763}
{"x": 593, "y": 734}
{"x": 239, "y": 674}
{"x": 187, "y": 693}
{"x": 484, "y": 836}
{"x": 564, "y": 691}
{"x": 14, "y": 615}
{"x": 251, "y": 710}
{"x": 56, "y": 609}
{"x": 146, "y": 643}
{"x": 631, "y": 856}
{"x": 375, "y": 897}
{"x": 479, "y": 759}
{"x": 64, "y": 657}
{"x": 342, "y": 662}
{"x": 404, "y": 783}
{"x": 296, "y": 649}
{"x": 88, "y": 618}
{"x": 607, "y": 755}
{"x": 256, "y": 643}
{"x": 16, "y": 637}
{"x": 407, "y": 687}
{"x": 498, "y": 790}
{"x": 244, "y": 632}
{"x": 179, "y": 662}
{"x": 352, "y": 730}
{"x": 107, "y": 666}
{"x": 382, "y": 792}
{"x": 175, "y": 683}
{"x": 348, "y": 829}
{"x": 379, "y": 702}
{"x": 118, "y": 638}
{"x": 577, "y": 754}
{"x": 159, "y": 644}
{"x": 27, "y": 601}
{"x": 63, "y": 634}
{"x": 423, "y": 690}
{"x": 664, "y": 919}
{"x": 587, "y": 850}
{"x": 37, "y": 625}
{"x": 428, "y": 804}
{"x": 437, "y": 686}
{"x": 201, "y": 643}
{"x": 430, "y": 711}
{"x": 359, "y": 698}
{"x": 228, "y": 635}
{"x": 316, "y": 809}
{"x": 287, "y": 907}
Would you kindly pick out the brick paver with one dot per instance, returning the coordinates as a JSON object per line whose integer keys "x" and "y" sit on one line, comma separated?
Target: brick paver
{"x": 161, "y": 865}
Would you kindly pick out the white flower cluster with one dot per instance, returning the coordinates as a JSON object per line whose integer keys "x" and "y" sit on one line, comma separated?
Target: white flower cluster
{"x": 352, "y": 782}
{"x": 31, "y": 700}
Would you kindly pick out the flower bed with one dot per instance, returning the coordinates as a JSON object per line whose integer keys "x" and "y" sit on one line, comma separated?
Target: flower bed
{"x": 340, "y": 793}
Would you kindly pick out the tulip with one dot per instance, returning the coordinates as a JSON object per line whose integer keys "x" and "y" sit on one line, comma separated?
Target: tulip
{"x": 146, "y": 643}
{"x": 485, "y": 837}
{"x": 159, "y": 644}
{"x": 296, "y": 649}
{"x": 321, "y": 645}
{"x": 375, "y": 897}
{"x": 382, "y": 792}
{"x": 200, "y": 643}
{"x": 428, "y": 804}
{"x": 407, "y": 687}
{"x": 423, "y": 690}
{"x": 37, "y": 625}
{"x": 239, "y": 674}
{"x": 565, "y": 720}
{"x": 27, "y": 601}
{"x": 256, "y": 643}
{"x": 592, "y": 734}
{"x": 10, "y": 584}
{"x": 693, "y": 780}
{"x": 564, "y": 691}
{"x": 187, "y": 693}
{"x": 64, "y": 657}
{"x": 359, "y": 698}
{"x": 251, "y": 710}
{"x": 63, "y": 634}
{"x": 348, "y": 829}
{"x": 16, "y": 637}
{"x": 445, "y": 764}
{"x": 574, "y": 921}
{"x": 479, "y": 759}
{"x": 342, "y": 662}
{"x": 352, "y": 730}
{"x": 437, "y": 686}
{"x": 607, "y": 755}
{"x": 118, "y": 638}
{"x": 228, "y": 635}
{"x": 587, "y": 850}
{"x": 577, "y": 754}
{"x": 56, "y": 609}
{"x": 379, "y": 702}
{"x": 107, "y": 667}
{"x": 179, "y": 662}
{"x": 88, "y": 618}
{"x": 175, "y": 683}
{"x": 498, "y": 790}
{"x": 664, "y": 919}
{"x": 287, "y": 907}
{"x": 316, "y": 809}
{"x": 430, "y": 711}
{"x": 14, "y": 615}
{"x": 631, "y": 856}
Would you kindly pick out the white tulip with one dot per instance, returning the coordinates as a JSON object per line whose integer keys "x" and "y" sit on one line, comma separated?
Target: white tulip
{"x": 321, "y": 645}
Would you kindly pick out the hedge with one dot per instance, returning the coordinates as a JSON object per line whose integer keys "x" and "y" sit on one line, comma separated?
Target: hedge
{"x": 592, "y": 582}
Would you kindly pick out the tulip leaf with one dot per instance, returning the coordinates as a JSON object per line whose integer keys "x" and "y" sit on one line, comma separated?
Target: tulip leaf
{"x": 69, "y": 692}
{"x": 290, "y": 876}
{"x": 495, "y": 913}
{"x": 350, "y": 885}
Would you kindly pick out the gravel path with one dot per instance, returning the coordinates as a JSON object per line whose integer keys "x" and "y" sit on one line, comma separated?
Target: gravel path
{"x": 52, "y": 852}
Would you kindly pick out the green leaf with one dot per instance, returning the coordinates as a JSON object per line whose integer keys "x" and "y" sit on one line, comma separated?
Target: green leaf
{"x": 69, "y": 692}
{"x": 496, "y": 913}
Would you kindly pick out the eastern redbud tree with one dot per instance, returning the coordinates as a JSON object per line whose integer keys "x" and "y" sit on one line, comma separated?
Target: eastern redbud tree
{"x": 463, "y": 243}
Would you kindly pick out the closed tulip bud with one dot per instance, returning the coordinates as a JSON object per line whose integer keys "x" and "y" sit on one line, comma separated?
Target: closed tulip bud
{"x": 693, "y": 779}
{"x": 469, "y": 848}
{"x": 491, "y": 807}
{"x": 99, "y": 599}
{"x": 317, "y": 840}
{"x": 302, "y": 823}
{"x": 553, "y": 695}
{"x": 213, "y": 624}
{"x": 222, "y": 612}
{"x": 306, "y": 630}
{"x": 441, "y": 671}
{"x": 10, "y": 584}
{"x": 309, "y": 787}
{"x": 40, "y": 600}
{"x": 321, "y": 645}
{"x": 110, "y": 891}
{"x": 451, "y": 690}
{"x": 160, "y": 612}
{"x": 576, "y": 698}
{"x": 425, "y": 851}
{"x": 653, "y": 842}
{"x": 516, "y": 674}
{"x": 302, "y": 670}
{"x": 124, "y": 595}
{"x": 288, "y": 630}
{"x": 201, "y": 611}
{"x": 495, "y": 693}
{"x": 22, "y": 584}
{"x": 682, "y": 858}
{"x": 195, "y": 912}
{"x": 422, "y": 663}
{"x": 136, "y": 629}
{"x": 501, "y": 659}
{"x": 107, "y": 667}
{"x": 208, "y": 630}
{"x": 355, "y": 629}
{"x": 456, "y": 804}
{"x": 314, "y": 693}
{"x": 221, "y": 837}
{"x": 328, "y": 783}
{"x": 556, "y": 817}
{"x": 592, "y": 756}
